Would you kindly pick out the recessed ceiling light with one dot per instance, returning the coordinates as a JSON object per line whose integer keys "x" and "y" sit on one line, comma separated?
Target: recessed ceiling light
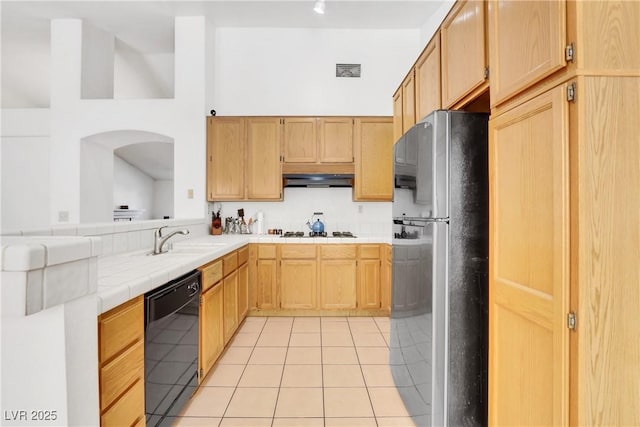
{"x": 319, "y": 7}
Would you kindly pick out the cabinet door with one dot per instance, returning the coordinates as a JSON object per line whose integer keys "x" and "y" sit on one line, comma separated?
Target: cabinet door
{"x": 463, "y": 51}
{"x": 264, "y": 171}
{"x": 243, "y": 291}
{"x": 529, "y": 255}
{"x": 428, "y": 79}
{"x": 211, "y": 328}
{"x": 408, "y": 101}
{"x": 369, "y": 283}
{"x": 336, "y": 140}
{"x": 338, "y": 283}
{"x": 225, "y": 158}
{"x": 300, "y": 139}
{"x": 230, "y": 294}
{"x": 298, "y": 283}
{"x": 373, "y": 159}
{"x": 397, "y": 115}
{"x": 266, "y": 286}
{"x": 527, "y": 41}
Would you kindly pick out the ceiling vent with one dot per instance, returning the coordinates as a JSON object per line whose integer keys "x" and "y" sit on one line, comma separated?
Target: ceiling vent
{"x": 348, "y": 70}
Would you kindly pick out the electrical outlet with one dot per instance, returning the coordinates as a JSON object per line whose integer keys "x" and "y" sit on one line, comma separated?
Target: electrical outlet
{"x": 190, "y": 193}
{"x": 360, "y": 208}
{"x": 63, "y": 216}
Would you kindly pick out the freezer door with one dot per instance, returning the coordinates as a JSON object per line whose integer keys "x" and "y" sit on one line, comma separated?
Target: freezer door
{"x": 432, "y": 180}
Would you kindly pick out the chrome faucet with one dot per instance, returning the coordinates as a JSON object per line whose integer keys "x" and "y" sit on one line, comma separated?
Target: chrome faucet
{"x": 159, "y": 240}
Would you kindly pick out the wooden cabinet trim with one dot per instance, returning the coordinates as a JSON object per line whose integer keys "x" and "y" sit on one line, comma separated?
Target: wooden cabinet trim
{"x": 211, "y": 274}
{"x": 297, "y": 251}
{"x": 243, "y": 255}
{"x": 230, "y": 263}
{"x": 266, "y": 251}
{"x": 338, "y": 251}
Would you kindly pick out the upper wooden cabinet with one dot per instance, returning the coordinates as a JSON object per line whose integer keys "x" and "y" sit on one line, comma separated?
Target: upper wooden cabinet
{"x": 243, "y": 158}
{"x": 318, "y": 140}
{"x": 264, "y": 169}
{"x": 373, "y": 159}
{"x": 225, "y": 158}
{"x": 300, "y": 140}
{"x": 335, "y": 140}
{"x": 464, "y": 59}
{"x": 408, "y": 101}
{"x": 427, "y": 70}
{"x": 397, "y": 115}
{"x": 528, "y": 42}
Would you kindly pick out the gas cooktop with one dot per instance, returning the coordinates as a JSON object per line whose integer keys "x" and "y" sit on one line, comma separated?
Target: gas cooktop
{"x": 346, "y": 234}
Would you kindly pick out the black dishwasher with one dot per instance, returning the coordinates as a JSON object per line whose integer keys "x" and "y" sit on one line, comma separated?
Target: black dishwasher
{"x": 171, "y": 347}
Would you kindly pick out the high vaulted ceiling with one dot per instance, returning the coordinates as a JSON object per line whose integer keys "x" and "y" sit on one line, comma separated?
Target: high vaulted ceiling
{"x": 148, "y": 25}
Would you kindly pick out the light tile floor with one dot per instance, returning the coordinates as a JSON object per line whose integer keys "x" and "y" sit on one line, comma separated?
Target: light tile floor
{"x": 301, "y": 371}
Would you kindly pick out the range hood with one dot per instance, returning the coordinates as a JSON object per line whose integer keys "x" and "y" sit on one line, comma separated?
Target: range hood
{"x": 317, "y": 180}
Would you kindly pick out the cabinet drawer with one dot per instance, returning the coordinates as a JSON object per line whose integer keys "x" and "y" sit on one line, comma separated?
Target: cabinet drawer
{"x": 127, "y": 410}
{"x": 387, "y": 252}
{"x": 369, "y": 252}
{"x": 120, "y": 327}
{"x": 267, "y": 251}
{"x": 120, "y": 373}
{"x": 338, "y": 251}
{"x": 297, "y": 251}
{"x": 211, "y": 274}
{"x": 243, "y": 255}
{"x": 230, "y": 263}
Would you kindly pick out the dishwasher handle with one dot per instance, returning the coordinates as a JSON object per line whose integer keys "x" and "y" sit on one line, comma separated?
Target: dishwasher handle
{"x": 172, "y": 297}
{"x": 194, "y": 288}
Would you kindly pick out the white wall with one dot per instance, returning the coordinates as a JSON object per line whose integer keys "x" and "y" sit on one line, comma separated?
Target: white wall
{"x": 24, "y": 153}
{"x": 132, "y": 187}
{"x": 181, "y": 119}
{"x": 97, "y": 63}
{"x": 162, "y": 199}
{"x": 274, "y": 71}
{"x": 140, "y": 76}
{"x": 96, "y": 183}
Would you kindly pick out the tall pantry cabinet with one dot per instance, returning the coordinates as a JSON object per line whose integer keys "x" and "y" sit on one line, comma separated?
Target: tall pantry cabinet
{"x": 564, "y": 213}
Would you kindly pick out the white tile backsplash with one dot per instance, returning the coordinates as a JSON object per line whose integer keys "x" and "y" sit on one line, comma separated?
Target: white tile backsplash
{"x": 341, "y": 213}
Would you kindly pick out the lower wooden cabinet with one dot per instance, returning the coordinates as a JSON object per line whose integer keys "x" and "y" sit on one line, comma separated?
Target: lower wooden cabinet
{"x": 230, "y": 307}
{"x": 369, "y": 269}
{"x": 298, "y": 276}
{"x": 211, "y": 331}
{"x": 320, "y": 277}
{"x": 262, "y": 271}
{"x": 298, "y": 283}
{"x": 338, "y": 276}
{"x": 121, "y": 362}
{"x": 243, "y": 291}
{"x": 224, "y": 303}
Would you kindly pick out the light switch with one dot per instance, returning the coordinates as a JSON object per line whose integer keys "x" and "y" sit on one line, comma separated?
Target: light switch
{"x": 190, "y": 193}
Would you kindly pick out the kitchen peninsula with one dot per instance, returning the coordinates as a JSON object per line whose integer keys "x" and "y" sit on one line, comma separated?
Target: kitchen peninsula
{"x": 61, "y": 321}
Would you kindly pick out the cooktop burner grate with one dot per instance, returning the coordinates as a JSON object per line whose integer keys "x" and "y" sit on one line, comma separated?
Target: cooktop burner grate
{"x": 346, "y": 234}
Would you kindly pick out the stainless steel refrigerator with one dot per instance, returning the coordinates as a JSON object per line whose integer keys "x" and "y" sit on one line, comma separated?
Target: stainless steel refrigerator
{"x": 438, "y": 346}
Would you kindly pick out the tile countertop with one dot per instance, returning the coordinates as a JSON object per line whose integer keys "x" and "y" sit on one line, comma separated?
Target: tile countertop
{"x": 125, "y": 276}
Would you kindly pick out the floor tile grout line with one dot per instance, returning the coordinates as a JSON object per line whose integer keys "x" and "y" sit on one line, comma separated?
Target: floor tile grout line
{"x": 275, "y": 407}
{"x": 235, "y": 389}
{"x": 363, "y": 378}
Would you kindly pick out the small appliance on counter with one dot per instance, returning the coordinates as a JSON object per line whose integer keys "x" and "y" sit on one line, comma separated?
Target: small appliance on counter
{"x": 316, "y": 226}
